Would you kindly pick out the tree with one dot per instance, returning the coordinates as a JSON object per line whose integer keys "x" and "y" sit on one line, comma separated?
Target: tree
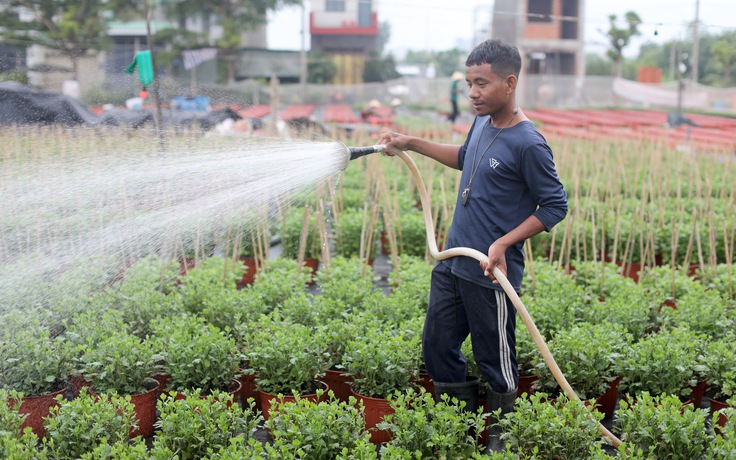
{"x": 380, "y": 68}
{"x": 236, "y": 17}
{"x": 71, "y": 27}
{"x": 320, "y": 68}
{"x": 724, "y": 51}
{"x": 619, "y": 38}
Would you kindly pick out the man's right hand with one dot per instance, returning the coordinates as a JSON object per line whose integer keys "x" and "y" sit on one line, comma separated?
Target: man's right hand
{"x": 393, "y": 142}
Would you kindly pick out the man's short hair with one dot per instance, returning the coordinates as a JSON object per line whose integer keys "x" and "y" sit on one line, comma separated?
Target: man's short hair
{"x": 503, "y": 58}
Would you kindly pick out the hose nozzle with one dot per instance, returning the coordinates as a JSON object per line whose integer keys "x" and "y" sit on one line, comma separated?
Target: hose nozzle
{"x": 357, "y": 152}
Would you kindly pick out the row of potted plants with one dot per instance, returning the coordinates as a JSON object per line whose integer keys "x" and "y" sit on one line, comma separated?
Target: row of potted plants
{"x": 274, "y": 307}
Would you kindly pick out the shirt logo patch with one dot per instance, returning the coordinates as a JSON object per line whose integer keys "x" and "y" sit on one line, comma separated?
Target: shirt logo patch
{"x": 494, "y": 163}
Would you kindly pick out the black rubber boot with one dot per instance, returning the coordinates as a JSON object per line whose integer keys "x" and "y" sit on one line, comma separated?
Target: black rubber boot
{"x": 505, "y": 402}
{"x": 463, "y": 391}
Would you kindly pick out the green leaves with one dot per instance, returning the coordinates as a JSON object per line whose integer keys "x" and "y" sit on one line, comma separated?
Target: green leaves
{"x": 196, "y": 427}
{"x": 666, "y": 363}
{"x": 121, "y": 363}
{"x": 287, "y": 358}
{"x": 197, "y": 354}
{"x": 383, "y": 361}
{"x": 544, "y": 429}
{"x": 432, "y": 429}
{"x": 587, "y": 355}
{"x": 78, "y": 426}
{"x": 662, "y": 427}
{"x": 319, "y": 430}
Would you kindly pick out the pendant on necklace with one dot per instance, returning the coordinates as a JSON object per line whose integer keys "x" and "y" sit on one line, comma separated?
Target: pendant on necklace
{"x": 465, "y": 196}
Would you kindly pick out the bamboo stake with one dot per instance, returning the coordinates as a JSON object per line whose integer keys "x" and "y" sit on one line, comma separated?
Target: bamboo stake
{"x": 303, "y": 240}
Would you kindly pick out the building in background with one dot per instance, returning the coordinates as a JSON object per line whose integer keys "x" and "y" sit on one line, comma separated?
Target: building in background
{"x": 347, "y": 30}
{"x": 549, "y": 35}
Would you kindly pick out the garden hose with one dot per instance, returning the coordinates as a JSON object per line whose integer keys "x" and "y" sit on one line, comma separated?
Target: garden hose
{"x": 479, "y": 256}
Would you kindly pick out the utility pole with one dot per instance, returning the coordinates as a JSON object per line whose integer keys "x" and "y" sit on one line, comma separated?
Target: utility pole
{"x": 157, "y": 117}
{"x": 696, "y": 44}
{"x": 303, "y": 57}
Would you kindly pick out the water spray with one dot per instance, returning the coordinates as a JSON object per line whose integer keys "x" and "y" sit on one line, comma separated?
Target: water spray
{"x": 357, "y": 152}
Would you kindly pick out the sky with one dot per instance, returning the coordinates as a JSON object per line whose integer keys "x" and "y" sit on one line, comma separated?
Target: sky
{"x": 444, "y": 24}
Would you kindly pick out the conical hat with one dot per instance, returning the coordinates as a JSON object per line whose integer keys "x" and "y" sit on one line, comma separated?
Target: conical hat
{"x": 458, "y": 76}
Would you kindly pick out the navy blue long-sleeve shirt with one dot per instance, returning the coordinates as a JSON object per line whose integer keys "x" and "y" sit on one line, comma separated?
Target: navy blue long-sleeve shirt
{"x": 515, "y": 178}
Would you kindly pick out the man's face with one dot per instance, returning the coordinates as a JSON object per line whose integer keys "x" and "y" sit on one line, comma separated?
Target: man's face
{"x": 488, "y": 92}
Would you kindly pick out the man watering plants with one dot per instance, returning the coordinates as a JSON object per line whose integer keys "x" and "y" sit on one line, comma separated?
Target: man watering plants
{"x": 509, "y": 191}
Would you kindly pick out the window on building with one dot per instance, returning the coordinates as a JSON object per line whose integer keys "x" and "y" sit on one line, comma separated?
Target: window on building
{"x": 539, "y": 11}
{"x": 365, "y": 15}
{"x": 334, "y": 5}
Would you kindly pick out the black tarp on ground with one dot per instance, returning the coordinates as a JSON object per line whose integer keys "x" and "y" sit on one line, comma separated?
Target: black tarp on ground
{"x": 21, "y": 105}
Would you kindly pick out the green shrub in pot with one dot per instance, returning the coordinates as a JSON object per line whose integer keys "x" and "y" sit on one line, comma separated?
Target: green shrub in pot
{"x": 383, "y": 361}
{"x": 410, "y": 281}
{"x": 598, "y": 346}
{"x": 564, "y": 429}
{"x": 207, "y": 281}
{"x": 78, "y": 426}
{"x": 32, "y": 362}
{"x": 291, "y": 232}
{"x": 196, "y": 354}
{"x": 412, "y": 233}
{"x": 196, "y": 427}
{"x": 345, "y": 285}
{"x": 287, "y": 358}
{"x": 720, "y": 361}
{"x": 136, "y": 449}
{"x": 600, "y": 279}
{"x": 628, "y": 306}
{"x": 722, "y": 445}
{"x": 318, "y": 429}
{"x": 353, "y": 235}
{"x": 434, "y": 429}
{"x": 121, "y": 363}
{"x": 703, "y": 311}
{"x": 666, "y": 283}
{"x": 558, "y": 307}
{"x": 14, "y": 442}
{"x": 662, "y": 427}
{"x": 670, "y": 363}
{"x": 279, "y": 280}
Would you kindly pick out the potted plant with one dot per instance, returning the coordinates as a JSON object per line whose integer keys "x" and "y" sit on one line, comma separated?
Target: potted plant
{"x": 344, "y": 285}
{"x": 648, "y": 365}
{"x": 78, "y": 426}
{"x": 701, "y": 310}
{"x": 527, "y": 355}
{"x": 199, "y": 426}
{"x": 34, "y": 364}
{"x": 356, "y": 235}
{"x": 720, "y": 361}
{"x": 645, "y": 423}
{"x": 287, "y": 360}
{"x": 600, "y": 347}
{"x": 125, "y": 365}
{"x": 432, "y": 429}
{"x": 322, "y": 429}
{"x": 196, "y": 355}
{"x": 627, "y": 305}
{"x": 667, "y": 284}
{"x": 334, "y": 335}
{"x": 564, "y": 430}
{"x": 291, "y": 230}
{"x": 381, "y": 362}
{"x": 204, "y": 283}
{"x": 280, "y": 279}
{"x": 15, "y": 442}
